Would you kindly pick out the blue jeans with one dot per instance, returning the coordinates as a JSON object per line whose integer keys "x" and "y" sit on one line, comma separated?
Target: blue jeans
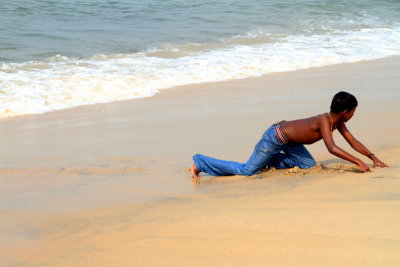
{"x": 270, "y": 151}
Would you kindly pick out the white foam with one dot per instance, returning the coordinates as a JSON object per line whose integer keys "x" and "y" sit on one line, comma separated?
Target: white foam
{"x": 61, "y": 82}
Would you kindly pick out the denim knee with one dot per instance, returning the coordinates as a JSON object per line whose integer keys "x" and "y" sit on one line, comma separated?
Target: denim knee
{"x": 244, "y": 170}
{"x": 305, "y": 164}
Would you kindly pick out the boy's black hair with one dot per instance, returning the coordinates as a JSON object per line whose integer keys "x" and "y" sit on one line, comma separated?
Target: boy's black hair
{"x": 343, "y": 101}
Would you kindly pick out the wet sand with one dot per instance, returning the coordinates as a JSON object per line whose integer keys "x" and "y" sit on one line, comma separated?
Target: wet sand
{"x": 108, "y": 184}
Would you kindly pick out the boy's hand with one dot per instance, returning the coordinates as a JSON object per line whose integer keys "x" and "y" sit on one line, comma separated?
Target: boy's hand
{"x": 378, "y": 163}
{"x": 363, "y": 167}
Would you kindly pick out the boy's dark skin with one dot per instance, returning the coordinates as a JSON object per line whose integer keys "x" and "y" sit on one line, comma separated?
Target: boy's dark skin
{"x": 313, "y": 129}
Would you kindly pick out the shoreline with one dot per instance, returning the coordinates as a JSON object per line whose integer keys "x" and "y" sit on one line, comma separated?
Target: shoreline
{"x": 275, "y": 92}
{"x": 195, "y": 85}
{"x": 108, "y": 184}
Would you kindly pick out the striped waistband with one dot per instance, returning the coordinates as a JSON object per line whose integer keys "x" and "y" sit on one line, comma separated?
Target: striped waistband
{"x": 280, "y": 134}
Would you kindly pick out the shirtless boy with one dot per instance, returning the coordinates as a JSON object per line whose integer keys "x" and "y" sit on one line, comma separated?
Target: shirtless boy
{"x": 282, "y": 144}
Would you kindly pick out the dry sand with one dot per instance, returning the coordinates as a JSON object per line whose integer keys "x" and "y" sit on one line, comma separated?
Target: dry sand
{"x": 107, "y": 185}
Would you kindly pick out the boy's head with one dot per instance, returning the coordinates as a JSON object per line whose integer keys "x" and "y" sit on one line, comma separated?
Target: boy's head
{"x": 343, "y": 101}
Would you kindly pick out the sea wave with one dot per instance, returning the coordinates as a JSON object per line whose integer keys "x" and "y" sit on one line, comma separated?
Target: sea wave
{"x": 60, "y": 82}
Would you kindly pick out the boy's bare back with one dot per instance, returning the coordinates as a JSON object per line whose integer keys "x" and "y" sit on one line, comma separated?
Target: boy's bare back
{"x": 306, "y": 131}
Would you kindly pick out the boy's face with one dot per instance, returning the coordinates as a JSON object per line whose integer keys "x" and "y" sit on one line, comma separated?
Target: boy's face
{"x": 347, "y": 115}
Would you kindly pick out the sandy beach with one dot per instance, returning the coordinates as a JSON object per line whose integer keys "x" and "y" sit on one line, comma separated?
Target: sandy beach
{"x": 108, "y": 184}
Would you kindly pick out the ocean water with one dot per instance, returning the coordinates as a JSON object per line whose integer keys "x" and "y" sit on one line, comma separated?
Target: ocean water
{"x": 57, "y": 54}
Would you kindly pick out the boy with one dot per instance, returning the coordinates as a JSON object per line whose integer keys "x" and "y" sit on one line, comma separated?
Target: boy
{"x": 282, "y": 145}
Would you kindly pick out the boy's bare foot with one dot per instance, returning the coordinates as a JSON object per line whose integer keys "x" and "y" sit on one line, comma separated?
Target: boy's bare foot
{"x": 195, "y": 172}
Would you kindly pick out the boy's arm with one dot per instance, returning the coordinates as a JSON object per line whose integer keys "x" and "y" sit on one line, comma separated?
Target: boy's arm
{"x": 324, "y": 126}
{"x": 358, "y": 146}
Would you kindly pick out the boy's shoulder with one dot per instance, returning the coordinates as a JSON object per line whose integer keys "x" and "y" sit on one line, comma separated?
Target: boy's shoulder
{"x": 318, "y": 119}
